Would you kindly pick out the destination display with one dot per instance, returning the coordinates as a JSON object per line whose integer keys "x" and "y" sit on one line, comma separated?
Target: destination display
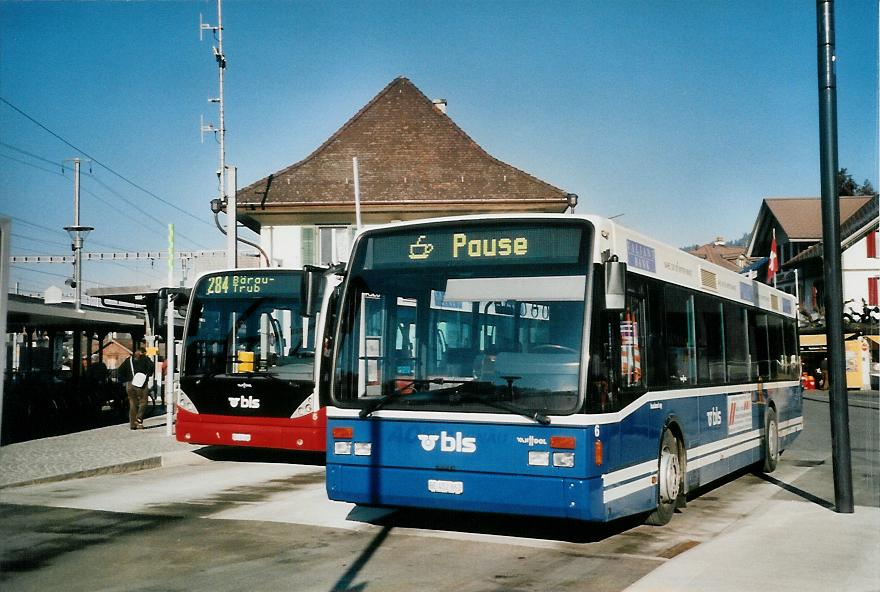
{"x": 225, "y": 285}
{"x": 470, "y": 245}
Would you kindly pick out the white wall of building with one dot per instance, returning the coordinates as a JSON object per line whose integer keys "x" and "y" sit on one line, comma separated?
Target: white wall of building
{"x": 295, "y": 246}
{"x": 857, "y": 269}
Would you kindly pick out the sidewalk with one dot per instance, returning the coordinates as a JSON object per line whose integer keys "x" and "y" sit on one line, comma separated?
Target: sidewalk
{"x": 786, "y": 546}
{"x": 111, "y": 449}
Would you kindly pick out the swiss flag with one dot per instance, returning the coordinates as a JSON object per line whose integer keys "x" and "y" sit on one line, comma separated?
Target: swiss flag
{"x": 773, "y": 265}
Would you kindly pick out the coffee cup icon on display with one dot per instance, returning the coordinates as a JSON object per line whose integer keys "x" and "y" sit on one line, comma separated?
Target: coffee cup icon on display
{"x": 419, "y": 250}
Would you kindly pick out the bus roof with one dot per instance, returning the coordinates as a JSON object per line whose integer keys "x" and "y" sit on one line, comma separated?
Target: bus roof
{"x": 649, "y": 257}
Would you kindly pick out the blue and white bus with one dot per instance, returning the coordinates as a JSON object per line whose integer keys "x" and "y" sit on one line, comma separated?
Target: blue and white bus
{"x": 550, "y": 365}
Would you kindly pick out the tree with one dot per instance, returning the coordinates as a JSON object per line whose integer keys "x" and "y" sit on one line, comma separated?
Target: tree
{"x": 847, "y": 186}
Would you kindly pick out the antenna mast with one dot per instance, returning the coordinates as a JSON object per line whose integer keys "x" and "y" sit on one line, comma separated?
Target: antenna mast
{"x": 219, "y": 133}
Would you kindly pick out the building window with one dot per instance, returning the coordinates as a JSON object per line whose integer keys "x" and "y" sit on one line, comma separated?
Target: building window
{"x": 334, "y": 243}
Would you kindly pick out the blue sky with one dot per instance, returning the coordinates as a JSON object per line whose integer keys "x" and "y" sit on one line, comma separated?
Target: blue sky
{"x": 682, "y": 116}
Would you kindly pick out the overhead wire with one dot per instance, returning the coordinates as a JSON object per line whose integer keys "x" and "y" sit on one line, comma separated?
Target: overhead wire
{"x": 113, "y": 207}
{"x": 40, "y": 271}
{"x": 38, "y": 240}
{"x": 98, "y": 162}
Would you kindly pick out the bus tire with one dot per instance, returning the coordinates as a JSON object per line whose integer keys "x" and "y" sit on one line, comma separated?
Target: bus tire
{"x": 670, "y": 480}
{"x": 770, "y": 444}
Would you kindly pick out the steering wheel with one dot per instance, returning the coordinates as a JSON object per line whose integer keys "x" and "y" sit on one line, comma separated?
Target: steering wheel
{"x": 554, "y": 348}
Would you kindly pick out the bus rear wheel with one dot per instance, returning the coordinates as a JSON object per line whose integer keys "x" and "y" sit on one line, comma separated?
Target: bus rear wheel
{"x": 771, "y": 441}
{"x": 670, "y": 480}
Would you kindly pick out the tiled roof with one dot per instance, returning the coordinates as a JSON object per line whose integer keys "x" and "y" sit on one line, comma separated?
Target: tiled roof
{"x": 409, "y": 152}
{"x": 801, "y": 217}
{"x": 851, "y": 230}
{"x": 722, "y": 255}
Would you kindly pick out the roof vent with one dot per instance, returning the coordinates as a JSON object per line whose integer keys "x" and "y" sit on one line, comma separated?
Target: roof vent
{"x": 708, "y": 279}
{"x": 440, "y": 104}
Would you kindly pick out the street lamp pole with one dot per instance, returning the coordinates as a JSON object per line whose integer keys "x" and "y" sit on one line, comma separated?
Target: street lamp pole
{"x": 77, "y": 235}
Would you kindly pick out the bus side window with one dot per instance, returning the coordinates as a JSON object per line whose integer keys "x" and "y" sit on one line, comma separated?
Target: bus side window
{"x": 680, "y": 338}
{"x": 760, "y": 348}
{"x": 632, "y": 343}
{"x": 736, "y": 342}
{"x": 653, "y": 356}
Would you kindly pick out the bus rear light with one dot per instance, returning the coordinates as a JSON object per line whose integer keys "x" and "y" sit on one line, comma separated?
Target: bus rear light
{"x": 363, "y": 448}
{"x": 564, "y": 442}
{"x": 563, "y": 459}
{"x": 340, "y": 433}
{"x": 342, "y": 448}
{"x": 539, "y": 458}
{"x": 597, "y": 453}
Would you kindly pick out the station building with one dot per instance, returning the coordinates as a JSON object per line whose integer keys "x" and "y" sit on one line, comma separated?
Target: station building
{"x": 413, "y": 161}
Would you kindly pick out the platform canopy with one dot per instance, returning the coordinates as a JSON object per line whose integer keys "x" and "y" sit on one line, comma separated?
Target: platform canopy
{"x": 33, "y": 313}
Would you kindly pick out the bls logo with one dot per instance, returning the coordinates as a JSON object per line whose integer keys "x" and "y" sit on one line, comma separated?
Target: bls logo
{"x": 714, "y": 417}
{"x": 245, "y": 403}
{"x": 448, "y": 443}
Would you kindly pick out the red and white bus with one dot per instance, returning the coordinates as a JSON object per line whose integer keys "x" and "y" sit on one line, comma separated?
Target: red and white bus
{"x": 248, "y": 367}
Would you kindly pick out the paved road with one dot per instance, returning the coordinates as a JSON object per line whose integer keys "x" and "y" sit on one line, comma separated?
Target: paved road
{"x": 248, "y": 520}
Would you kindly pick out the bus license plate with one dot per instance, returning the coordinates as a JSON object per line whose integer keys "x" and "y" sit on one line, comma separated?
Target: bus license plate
{"x": 450, "y": 487}
{"x": 241, "y": 437}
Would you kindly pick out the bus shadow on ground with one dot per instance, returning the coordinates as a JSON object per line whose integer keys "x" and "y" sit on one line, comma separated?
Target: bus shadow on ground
{"x": 262, "y": 455}
{"x": 550, "y": 529}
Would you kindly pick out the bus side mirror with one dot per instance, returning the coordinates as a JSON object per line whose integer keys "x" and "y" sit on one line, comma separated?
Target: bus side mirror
{"x": 310, "y": 289}
{"x": 179, "y": 297}
{"x": 615, "y": 284}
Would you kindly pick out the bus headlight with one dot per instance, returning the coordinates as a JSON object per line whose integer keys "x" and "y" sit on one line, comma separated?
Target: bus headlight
{"x": 363, "y": 448}
{"x": 185, "y": 403}
{"x": 342, "y": 447}
{"x": 563, "y": 459}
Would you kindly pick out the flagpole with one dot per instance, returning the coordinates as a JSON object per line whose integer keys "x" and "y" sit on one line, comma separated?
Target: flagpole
{"x": 773, "y": 263}
{"x": 777, "y": 258}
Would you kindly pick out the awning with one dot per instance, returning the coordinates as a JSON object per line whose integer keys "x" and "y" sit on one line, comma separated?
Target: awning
{"x": 813, "y": 341}
{"x": 817, "y": 342}
{"x": 756, "y": 265}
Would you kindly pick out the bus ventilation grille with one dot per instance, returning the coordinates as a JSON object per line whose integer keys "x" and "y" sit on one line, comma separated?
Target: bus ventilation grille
{"x": 708, "y": 279}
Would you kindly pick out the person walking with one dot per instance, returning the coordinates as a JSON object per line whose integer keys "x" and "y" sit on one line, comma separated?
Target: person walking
{"x": 135, "y": 372}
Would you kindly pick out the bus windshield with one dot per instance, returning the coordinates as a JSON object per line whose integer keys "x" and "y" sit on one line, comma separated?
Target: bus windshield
{"x": 472, "y": 317}
{"x": 248, "y": 322}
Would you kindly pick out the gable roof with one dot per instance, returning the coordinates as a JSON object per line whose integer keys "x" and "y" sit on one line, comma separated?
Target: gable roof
{"x": 857, "y": 226}
{"x": 409, "y": 152}
{"x": 799, "y": 218}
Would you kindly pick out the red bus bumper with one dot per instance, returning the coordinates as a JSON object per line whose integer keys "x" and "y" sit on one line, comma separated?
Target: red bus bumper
{"x": 303, "y": 433}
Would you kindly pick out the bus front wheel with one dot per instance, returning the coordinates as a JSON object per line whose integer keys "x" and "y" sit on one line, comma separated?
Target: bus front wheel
{"x": 670, "y": 480}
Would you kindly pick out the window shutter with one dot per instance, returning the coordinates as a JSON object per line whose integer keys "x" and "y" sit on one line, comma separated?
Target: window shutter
{"x": 307, "y": 240}
{"x": 872, "y": 245}
{"x": 873, "y": 297}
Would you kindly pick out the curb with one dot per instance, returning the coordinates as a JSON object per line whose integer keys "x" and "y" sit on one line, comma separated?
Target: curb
{"x": 154, "y": 462}
{"x": 861, "y": 404}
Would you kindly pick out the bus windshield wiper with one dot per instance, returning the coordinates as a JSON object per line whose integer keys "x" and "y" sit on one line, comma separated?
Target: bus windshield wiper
{"x": 536, "y": 416}
{"x": 403, "y": 390}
